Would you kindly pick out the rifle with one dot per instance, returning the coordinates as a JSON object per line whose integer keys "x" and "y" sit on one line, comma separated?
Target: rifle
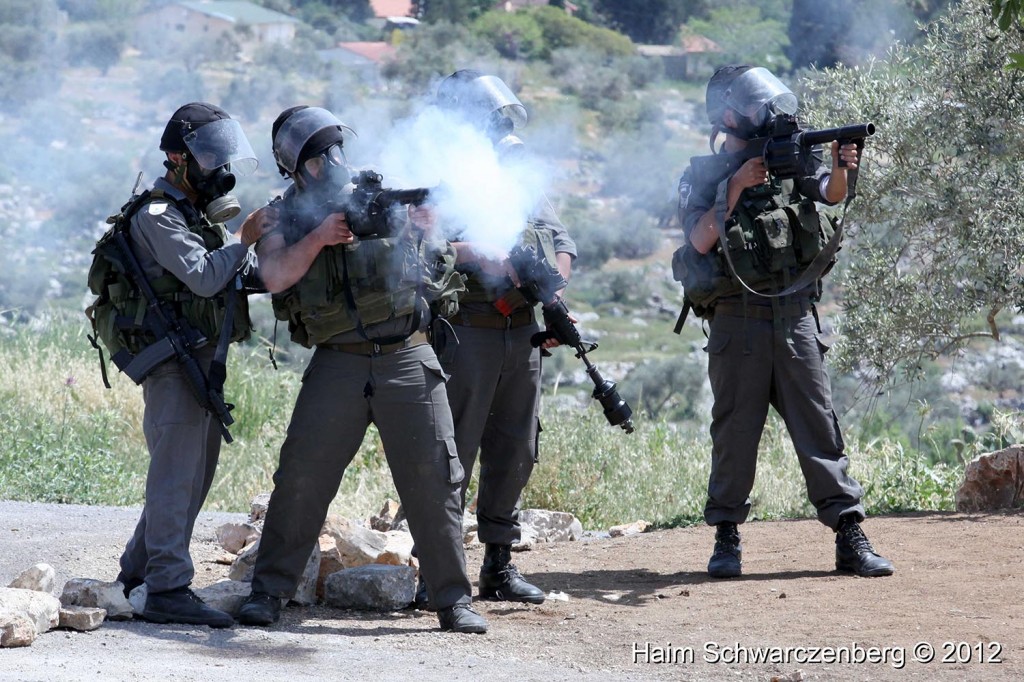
{"x": 176, "y": 339}
{"x": 368, "y": 209}
{"x": 539, "y": 282}
{"x": 787, "y": 150}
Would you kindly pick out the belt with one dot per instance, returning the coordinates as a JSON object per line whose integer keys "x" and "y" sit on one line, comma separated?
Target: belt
{"x": 762, "y": 312}
{"x": 519, "y": 318}
{"x": 373, "y": 348}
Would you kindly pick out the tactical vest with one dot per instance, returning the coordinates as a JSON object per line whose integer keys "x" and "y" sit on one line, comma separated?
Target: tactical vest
{"x": 384, "y": 278}
{"x": 118, "y": 314}
{"x": 477, "y": 288}
{"x": 770, "y": 240}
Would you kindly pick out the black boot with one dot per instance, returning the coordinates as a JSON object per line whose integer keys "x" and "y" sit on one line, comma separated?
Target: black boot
{"x": 259, "y": 608}
{"x": 855, "y": 554}
{"x": 462, "y": 618}
{"x": 421, "y": 601}
{"x": 727, "y": 559}
{"x": 181, "y": 605}
{"x": 129, "y": 584}
{"x": 502, "y": 581}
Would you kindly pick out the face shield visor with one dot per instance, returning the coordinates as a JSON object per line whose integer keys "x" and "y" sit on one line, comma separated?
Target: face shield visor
{"x": 221, "y": 143}
{"x": 489, "y": 98}
{"x": 298, "y": 129}
{"x": 217, "y": 151}
{"x": 486, "y": 102}
{"x": 759, "y": 96}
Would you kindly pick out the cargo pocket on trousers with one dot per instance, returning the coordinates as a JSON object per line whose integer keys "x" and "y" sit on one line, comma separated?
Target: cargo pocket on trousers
{"x": 721, "y": 372}
{"x": 437, "y": 394}
{"x": 455, "y": 471}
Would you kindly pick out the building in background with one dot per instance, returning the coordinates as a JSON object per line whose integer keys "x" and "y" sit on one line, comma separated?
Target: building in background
{"x": 689, "y": 58}
{"x": 252, "y": 26}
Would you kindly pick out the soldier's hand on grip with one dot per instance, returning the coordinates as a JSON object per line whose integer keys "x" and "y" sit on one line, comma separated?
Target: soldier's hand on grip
{"x": 334, "y": 230}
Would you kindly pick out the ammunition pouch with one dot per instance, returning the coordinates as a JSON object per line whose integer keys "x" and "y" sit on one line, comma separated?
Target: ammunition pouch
{"x": 385, "y": 278}
{"x": 766, "y": 250}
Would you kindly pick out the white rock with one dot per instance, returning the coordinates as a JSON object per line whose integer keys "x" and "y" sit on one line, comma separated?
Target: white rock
{"x": 39, "y": 578}
{"x": 81, "y": 618}
{"x": 41, "y": 609}
{"x": 634, "y": 528}
{"x": 16, "y": 630}
{"x": 98, "y": 594}
{"x": 225, "y": 595}
{"x": 552, "y": 526}
{"x": 137, "y": 598}
{"x": 234, "y": 537}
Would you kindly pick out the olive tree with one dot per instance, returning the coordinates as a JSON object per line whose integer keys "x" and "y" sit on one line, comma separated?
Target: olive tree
{"x": 935, "y": 240}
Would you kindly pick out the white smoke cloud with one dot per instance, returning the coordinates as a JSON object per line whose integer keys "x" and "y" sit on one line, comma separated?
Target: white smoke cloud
{"x": 481, "y": 197}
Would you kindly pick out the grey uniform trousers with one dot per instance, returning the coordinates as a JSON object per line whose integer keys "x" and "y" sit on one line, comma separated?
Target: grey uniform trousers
{"x": 494, "y": 393}
{"x": 184, "y": 446}
{"x": 403, "y": 393}
{"x": 754, "y": 363}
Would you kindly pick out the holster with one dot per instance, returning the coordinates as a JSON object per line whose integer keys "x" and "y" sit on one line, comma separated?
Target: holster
{"x": 445, "y": 343}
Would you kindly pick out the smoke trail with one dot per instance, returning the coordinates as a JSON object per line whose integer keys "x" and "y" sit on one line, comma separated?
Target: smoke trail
{"x": 481, "y": 197}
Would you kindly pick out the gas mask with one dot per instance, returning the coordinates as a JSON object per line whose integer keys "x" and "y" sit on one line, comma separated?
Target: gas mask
{"x": 212, "y": 188}
{"x": 216, "y": 151}
{"x": 501, "y": 131}
{"x": 314, "y": 137}
{"x": 486, "y": 102}
{"x": 326, "y": 173}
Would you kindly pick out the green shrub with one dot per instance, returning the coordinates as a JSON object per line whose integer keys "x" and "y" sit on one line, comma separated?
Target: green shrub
{"x": 513, "y": 36}
{"x": 561, "y": 31}
{"x": 67, "y": 439}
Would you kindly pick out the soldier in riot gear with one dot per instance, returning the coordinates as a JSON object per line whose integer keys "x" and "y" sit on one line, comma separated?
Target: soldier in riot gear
{"x": 176, "y": 235}
{"x": 364, "y": 304}
{"x": 494, "y": 390}
{"x": 764, "y": 344}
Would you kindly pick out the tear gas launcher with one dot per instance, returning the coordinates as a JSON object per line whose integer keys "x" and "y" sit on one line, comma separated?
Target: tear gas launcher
{"x": 540, "y": 282}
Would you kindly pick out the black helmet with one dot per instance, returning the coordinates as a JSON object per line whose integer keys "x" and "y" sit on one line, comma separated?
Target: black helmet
{"x": 714, "y": 96}
{"x": 186, "y": 119}
{"x": 481, "y": 98}
{"x": 302, "y": 132}
{"x": 755, "y": 93}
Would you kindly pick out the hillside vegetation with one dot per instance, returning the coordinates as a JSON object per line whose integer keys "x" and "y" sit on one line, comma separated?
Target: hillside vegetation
{"x": 918, "y": 394}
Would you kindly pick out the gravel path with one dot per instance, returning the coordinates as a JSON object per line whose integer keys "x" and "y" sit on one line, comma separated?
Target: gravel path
{"x": 956, "y": 590}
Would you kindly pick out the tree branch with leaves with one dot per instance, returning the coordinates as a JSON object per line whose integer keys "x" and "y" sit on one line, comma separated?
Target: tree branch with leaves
{"x": 935, "y": 238}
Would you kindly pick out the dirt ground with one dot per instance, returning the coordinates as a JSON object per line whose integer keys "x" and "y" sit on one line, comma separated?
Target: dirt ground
{"x": 638, "y": 607}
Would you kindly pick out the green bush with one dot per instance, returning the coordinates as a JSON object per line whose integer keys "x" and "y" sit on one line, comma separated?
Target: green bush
{"x": 668, "y": 388}
{"x": 66, "y": 439}
{"x": 433, "y": 51}
{"x": 513, "y": 36}
{"x": 562, "y": 31}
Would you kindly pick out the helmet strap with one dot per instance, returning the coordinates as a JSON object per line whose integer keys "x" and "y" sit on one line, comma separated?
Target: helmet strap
{"x": 715, "y": 129}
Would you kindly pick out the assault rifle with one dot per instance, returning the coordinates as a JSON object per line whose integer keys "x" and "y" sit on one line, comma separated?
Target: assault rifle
{"x": 368, "y": 209}
{"x": 539, "y": 282}
{"x": 176, "y": 338}
{"x": 787, "y": 149}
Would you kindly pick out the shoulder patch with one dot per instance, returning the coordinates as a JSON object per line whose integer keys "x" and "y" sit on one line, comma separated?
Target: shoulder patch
{"x": 157, "y": 207}
{"x": 685, "y": 188}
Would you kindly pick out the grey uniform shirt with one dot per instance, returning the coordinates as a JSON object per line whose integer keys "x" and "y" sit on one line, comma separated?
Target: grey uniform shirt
{"x": 163, "y": 243}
